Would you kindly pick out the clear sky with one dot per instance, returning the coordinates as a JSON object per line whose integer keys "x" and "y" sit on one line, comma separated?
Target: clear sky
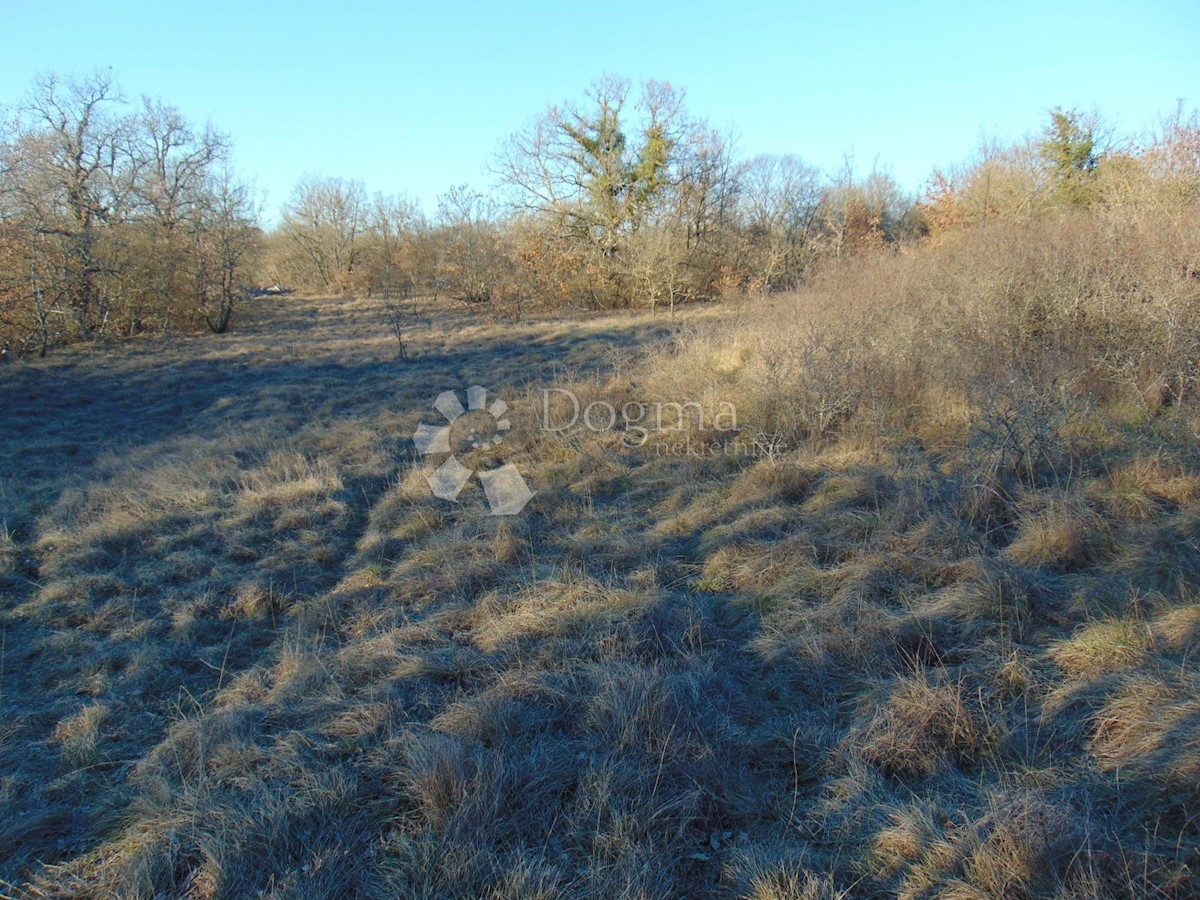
{"x": 415, "y": 97}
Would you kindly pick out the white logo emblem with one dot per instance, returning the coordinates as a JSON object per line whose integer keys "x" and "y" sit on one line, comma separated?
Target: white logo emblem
{"x": 506, "y": 490}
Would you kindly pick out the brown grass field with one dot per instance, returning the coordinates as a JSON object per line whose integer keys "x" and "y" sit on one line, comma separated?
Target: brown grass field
{"x": 934, "y": 634}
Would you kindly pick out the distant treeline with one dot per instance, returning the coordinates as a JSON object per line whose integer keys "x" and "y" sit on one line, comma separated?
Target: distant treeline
{"x": 121, "y": 221}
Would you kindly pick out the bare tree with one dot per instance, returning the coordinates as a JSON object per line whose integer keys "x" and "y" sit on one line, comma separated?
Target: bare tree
{"x": 858, "y": 214}
{"x": 170, "y": 162}
{"x": 115, "y": 220}
{"x": 168, "y": 172}
{"x": 324, "y": 223}
{"x": 227, "y": 236}
{"x": 64, "y": 164}
{"x": 658, "y": 264}
{"x": 780, "y": 198}
{"x": 474, "y": 259}
{"x": 394, "y": 222}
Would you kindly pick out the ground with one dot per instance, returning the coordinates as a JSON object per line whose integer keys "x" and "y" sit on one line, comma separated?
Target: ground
{"x": 245, "y": 651}
{"x": 169, "y": 508}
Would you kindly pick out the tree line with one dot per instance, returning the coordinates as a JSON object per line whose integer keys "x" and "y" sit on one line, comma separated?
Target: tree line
{"x": 114, "y": 220}
{"x": 623, "y": 198}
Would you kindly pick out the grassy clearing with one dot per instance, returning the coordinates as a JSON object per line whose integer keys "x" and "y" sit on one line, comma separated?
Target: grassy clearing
{"x": 934, "y": 642}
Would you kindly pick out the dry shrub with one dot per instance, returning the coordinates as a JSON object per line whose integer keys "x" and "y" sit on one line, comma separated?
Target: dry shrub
{"x": 667, "y": 678}
{"x": 1018, "y": 327}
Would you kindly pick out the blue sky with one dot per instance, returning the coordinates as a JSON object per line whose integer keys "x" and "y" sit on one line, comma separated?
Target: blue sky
{"x": 415, "y": 98}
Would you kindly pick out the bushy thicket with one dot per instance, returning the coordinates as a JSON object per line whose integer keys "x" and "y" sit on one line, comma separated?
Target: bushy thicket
{"x": 1017, "y": 312}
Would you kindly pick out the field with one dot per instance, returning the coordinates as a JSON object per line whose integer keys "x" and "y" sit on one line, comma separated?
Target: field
{"x": 894, "y": 641}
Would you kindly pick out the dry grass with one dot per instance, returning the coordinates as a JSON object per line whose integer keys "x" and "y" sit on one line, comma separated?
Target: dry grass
{"x": 79, "y": 735}
{"x": 921, "y": 727}
{"x": 931, "y": 630}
